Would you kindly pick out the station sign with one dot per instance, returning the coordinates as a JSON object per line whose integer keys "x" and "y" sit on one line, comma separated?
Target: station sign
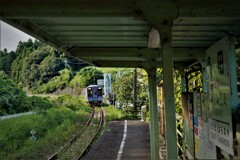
{"x": 107, "y": 83}
{"x": 219, "y": 93}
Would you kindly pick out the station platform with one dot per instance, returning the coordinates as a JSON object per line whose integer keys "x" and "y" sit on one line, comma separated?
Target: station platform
{"x": 128, "y": 140}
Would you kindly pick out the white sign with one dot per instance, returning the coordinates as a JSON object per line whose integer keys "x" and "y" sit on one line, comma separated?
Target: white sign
{"x": 219, "y": 93}
{"x": 107, "y": 83}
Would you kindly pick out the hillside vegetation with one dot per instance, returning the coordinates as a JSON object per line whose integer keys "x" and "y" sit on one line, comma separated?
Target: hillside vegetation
{"x": 33, "y": 65}
{"x": 14, "y": 100}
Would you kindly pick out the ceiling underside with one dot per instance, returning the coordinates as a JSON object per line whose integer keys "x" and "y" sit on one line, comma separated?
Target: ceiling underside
{"x": 116, "y": 33}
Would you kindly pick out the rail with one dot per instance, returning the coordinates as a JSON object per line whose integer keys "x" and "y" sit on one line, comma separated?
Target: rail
{"x": 76, "y": 146}
{"x": 95, "y": 134}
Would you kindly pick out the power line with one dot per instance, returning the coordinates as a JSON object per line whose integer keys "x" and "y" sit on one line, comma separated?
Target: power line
{"x": 68, "y": 60}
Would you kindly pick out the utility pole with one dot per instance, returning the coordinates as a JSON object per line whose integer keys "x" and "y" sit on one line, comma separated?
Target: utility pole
{"x": 65, "y": 63}
{"x": 135, "y": 90}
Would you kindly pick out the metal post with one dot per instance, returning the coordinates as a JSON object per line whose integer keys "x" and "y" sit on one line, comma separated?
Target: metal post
{"x": 233, "y": 74}
{"x": 204, "y": 76}
{"x": 162, "y": 112}
{"x": 186, "y": 79}
{"x": 154, "y": 128}
{"x": 170, "y": 114}
{"x": 135, "y": 91}
{"x": 183, "y": 82}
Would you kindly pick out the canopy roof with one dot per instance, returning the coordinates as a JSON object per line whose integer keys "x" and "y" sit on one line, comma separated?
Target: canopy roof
{"x": 121, "y": 33}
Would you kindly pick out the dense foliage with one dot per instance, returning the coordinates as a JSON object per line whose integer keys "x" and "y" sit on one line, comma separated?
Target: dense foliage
{"x": 115, "y": 72}
{"x": 58, "y": 82}
{"x": 14, "y": 100}
{"x": 6, "y": 60}
{"x": 113, "y": 113}
{"x": 177, "y": 88}
{"x": 34, "y": 64}
{"x": 36, "y": 68}
{"x": 86, "y": 76}
{"x": 123, "y": 91}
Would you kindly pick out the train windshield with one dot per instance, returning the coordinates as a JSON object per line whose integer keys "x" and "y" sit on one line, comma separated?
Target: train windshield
{"x": 89, "y": 92}
{"x": 99, "y": 91}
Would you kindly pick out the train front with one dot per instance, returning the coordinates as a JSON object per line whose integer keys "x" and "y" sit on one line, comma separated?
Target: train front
{"x": 94, "y": 95}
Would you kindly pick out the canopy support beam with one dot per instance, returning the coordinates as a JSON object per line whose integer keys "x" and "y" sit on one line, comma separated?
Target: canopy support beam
{"x": 154, "y": 127}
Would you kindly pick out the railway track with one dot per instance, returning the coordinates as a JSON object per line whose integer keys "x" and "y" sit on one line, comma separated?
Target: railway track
{"x": 80, "y": 142}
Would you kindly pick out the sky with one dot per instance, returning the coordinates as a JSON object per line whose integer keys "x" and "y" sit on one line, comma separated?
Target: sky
{"x": 10, "y": 36}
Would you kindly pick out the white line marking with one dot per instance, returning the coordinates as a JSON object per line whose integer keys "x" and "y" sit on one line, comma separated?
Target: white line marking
{"x": 123, "y": 141}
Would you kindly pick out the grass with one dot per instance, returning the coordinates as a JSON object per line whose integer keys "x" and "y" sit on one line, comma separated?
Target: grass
{"x": 113, "y": 114}
{"x": 53, "y": 128}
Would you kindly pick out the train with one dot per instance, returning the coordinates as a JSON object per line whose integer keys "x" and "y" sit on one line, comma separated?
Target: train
{"x": 94, "y": 95}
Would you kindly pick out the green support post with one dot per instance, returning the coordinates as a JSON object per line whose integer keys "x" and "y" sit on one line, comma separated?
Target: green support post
{"x": 183, "y": 82}
{"x": 154, "y": 128}
{"x": 170, "y": 113}
{"x": 233, "y": 74}
{"x": 204, "y": 76}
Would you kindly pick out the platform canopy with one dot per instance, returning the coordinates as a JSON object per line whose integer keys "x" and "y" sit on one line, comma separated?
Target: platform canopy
{"x": 124, "y": 33}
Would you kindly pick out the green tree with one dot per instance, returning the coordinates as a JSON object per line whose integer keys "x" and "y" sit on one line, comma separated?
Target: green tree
{"x": 86, "y": 76}
{"x": 57, "y": 82}
{"x": 142, "y": 88}
{"x": 35, "y": 64}
{"x": 123, "y": 89}
{"x": 6, "y": 60}
{"x": 12, "y": 98}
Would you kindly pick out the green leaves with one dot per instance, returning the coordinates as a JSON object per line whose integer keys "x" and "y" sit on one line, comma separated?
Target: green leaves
{"x": 34, "y": 64}
{"x": 12, "y": 98}
{"x": 123, "y": 88}
{"x": 86, "y": 76}
{"x": 113, "y": 113}
{"x": 53, "y": 128}
{"x": 6, "y": 60}
{"x": 57, "y": 82}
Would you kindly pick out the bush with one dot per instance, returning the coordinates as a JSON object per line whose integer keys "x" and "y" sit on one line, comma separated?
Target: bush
{"x": 73, "y": 102}
{"x": 40, "y": 102}
{"x": 12, "y": 98}
{"x": 113, "y": 113}
{"x": 57, "y": 82}
{"x": 85, "y": 77}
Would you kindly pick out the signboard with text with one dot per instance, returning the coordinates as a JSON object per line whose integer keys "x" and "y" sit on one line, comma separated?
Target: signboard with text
{"x": 107, "y": 83}
{"x": 220, "y": 116}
